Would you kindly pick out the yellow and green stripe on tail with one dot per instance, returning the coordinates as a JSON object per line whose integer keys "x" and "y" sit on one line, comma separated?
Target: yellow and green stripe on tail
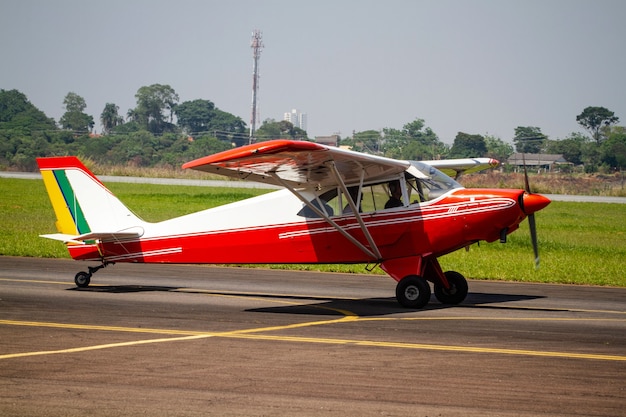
{"x": 70, "y": 217}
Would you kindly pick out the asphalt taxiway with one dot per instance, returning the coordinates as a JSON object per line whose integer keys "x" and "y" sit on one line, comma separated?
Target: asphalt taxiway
{"x": 200, "y": 340}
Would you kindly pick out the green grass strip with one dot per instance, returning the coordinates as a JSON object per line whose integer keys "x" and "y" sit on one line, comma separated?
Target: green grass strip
{"x": 579, "y": 243}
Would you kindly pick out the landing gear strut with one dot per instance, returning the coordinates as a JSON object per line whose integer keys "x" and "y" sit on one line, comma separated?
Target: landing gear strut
{"x": 82, "y": 279}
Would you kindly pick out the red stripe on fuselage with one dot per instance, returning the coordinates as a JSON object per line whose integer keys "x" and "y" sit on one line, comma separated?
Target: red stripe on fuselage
{"x": 438, "y": 228}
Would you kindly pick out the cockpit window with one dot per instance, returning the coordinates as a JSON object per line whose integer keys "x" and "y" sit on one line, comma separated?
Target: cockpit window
{"x": 419, "y": 183}
{"x": 371, "y": 198}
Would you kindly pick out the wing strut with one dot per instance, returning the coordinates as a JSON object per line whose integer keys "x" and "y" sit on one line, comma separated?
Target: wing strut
{"x": 355, "y": 210}
{"x": 375, "y": 255}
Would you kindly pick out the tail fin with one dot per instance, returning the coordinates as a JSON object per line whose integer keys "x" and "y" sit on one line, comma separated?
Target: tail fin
{"x": 84, "y": 207}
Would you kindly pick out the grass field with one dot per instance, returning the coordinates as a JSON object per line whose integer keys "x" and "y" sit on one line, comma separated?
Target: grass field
{"x": 581, "y": 243}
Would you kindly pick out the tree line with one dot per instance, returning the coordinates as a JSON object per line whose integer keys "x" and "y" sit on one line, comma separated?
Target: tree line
{"x": 160, "y": 131}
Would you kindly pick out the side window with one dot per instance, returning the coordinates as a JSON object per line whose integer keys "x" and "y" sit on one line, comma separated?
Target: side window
{"x": 375, "y": 197}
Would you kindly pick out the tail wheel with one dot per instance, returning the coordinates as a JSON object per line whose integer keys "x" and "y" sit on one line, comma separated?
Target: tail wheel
{"x": 413, "y": 292}
{"x": 82, "y": 279}
{"x": 457, "y": 291}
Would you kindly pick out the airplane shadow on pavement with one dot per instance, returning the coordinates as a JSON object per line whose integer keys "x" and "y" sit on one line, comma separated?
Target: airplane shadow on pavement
{"x": 324, "y": 306}
{"x": 368, "y": 307}
{"x": 123, "y": 289}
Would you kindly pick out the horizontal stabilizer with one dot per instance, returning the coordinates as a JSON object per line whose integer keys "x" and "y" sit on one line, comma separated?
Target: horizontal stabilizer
{"x": 101, "y": 236}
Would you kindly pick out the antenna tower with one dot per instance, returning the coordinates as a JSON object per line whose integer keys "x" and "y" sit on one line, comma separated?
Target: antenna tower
{"x": 256, "y": 45}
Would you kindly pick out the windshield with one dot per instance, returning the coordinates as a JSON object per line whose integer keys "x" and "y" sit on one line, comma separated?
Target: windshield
{"x": 430, "y": 182}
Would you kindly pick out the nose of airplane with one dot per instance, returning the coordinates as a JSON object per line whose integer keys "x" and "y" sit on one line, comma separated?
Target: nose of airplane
{"x": 534, "y": 202}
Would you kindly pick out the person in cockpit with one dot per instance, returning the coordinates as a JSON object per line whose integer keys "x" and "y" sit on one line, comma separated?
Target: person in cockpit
{"x": 395, "y": 199}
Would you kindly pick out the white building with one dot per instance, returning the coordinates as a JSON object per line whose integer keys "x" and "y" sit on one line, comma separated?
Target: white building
{"x": 296, "y": 118}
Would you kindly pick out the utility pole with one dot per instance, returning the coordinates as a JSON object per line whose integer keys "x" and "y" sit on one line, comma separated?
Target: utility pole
{"x": 257, "y": 45}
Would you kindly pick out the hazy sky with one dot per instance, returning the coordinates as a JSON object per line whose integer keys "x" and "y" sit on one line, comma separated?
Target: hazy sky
{"x": 476, "y": 66}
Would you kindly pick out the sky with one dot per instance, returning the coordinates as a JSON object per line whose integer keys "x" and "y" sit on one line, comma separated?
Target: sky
{"x": 473, "y": 66}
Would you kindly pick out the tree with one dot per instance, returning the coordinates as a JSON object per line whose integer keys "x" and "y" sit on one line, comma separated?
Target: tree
{"x": 528, "y": 139}
{"x": 614, "y": 149}
{"x": 74, "y": 117}
{"x": 227, "y": 126}
{"x": 206, "y": 145}
{"x": 110, "y": 117}
{"x": 594, "y": 118}
{"x": 414, "y": 142}
{"x": 195, "y": 116}
{"x": 468, "y": 146}
{"x": 572, "y": 147}
{"x": 393, "y": 141}
{"x": 155, "y": 108}
{"x": 497, "y": 148}
{"x": 25, "y": 132}
{"x": 200, "y": 116}
{"x": 17, "y": 113}
{"x": 368, "y": 141}
{"x": 271, "y": 129}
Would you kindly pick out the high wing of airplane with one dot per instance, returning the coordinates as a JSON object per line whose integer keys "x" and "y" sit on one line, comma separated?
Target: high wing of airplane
{"x": 337, "y": 206}
{"x": 297, "y": 163}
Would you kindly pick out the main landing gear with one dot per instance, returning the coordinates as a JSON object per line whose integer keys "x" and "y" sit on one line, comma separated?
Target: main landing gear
{"x": 413, "y": 291}
{"x": 82, "y": 279}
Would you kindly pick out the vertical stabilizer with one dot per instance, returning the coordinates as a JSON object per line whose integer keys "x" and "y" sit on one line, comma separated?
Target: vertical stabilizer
{"x": 81, "y": 202}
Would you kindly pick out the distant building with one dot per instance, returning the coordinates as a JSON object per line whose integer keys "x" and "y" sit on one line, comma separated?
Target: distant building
{"x": 296, "y": 118}
{"x": 332, "y": 140}
{"x": 538, "y": 161}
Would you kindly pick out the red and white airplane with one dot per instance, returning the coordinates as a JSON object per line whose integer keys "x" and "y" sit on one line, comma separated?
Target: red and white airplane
{"x": 336, "y": 208}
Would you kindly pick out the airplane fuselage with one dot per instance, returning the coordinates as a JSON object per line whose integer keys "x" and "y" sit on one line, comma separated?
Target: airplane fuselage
{"x": 250, "y": 232}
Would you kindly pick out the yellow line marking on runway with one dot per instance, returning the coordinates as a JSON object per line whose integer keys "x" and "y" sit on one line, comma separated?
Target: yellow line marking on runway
{"x": 551, "y": 309}
{"x": 106, "y": 346}
{"x": 173, "y": 332}
{"x": 421, "y": 346}
{"x": 193, "y": 336}
{"x": 101, "y": 328}
{"x": 464, "y": 318}
{"x": 253, "y": 334}
{"x": 287, "y": 326}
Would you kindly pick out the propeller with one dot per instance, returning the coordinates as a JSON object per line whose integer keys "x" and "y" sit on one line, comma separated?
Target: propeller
{"x": 532, "y": 203}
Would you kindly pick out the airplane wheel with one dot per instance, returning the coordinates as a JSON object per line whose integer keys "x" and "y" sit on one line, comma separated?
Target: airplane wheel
{"x": 413, "y": 292}
{"x": 457, "y": 291}
{"x": 82, "y": 279}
